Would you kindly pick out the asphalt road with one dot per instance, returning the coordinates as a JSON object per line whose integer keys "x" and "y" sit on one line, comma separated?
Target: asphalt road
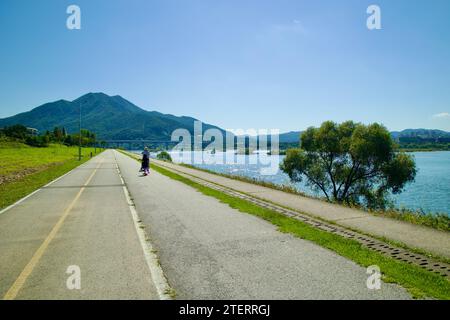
{"x": 97, "y": 235}
{"x": 206, "y": 249}
{"x": 211, "y": 251}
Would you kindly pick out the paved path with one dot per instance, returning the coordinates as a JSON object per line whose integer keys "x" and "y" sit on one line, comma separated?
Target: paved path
{"x": 431, "y": 240}
{"x": 210, "y": 251}
{"x": 206, "y": 249}
{"x": 96, "y": 233}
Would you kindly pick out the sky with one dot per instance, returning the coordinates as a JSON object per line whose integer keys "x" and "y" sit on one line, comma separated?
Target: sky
{"x": 237, "y": 64}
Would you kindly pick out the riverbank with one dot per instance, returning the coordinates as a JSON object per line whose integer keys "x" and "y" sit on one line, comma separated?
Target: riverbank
{"x": 424, "y": 201}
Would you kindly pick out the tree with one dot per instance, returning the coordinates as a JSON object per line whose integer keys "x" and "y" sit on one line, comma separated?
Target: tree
{"x": 58, "y": 134}
{"x": 351, "y": 163}
{"x": 164, "y": 156}
{"x": 17, "y": 131}
{"x": 68, "y": 140}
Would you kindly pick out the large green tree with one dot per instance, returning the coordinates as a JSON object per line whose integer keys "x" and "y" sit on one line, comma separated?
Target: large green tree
{"x": 350, "y": 162}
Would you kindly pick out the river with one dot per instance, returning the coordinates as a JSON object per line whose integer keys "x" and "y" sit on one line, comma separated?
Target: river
{"x": 430, "y": 191}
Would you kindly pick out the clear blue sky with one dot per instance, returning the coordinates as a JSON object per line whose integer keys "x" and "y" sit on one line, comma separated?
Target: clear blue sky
{"x": 235, "y": 63}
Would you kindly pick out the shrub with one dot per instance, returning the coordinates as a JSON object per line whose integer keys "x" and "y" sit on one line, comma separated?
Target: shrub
{"x": 164, "y": 156}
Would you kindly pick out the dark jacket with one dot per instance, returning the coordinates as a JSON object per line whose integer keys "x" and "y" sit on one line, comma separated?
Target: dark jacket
{"x": 145, "y": 161}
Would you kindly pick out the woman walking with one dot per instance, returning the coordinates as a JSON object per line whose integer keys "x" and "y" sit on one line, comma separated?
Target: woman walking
{"x": 145, "y": 161}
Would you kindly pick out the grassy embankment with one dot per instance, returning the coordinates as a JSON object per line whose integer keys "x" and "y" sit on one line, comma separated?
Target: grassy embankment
{"x": 24, "y": 169}
{"x": 419, "y": 282}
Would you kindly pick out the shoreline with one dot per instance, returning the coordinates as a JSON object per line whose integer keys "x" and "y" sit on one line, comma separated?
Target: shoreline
{"x": 399, "y": 207}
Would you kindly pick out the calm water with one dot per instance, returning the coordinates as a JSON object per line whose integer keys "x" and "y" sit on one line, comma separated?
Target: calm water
{"x": 430, "y": 192}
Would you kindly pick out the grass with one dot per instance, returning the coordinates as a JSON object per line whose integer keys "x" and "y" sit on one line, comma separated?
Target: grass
{"x": 16, "y": 159}
{"x": 25, "y": 169}
{"x": 284, "y": 187}
{"x": 439, "y": 221}
{"x": 13, "y": 144}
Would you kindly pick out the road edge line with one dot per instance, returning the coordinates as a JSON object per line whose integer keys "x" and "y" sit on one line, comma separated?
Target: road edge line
{"x": 159, "y": 279}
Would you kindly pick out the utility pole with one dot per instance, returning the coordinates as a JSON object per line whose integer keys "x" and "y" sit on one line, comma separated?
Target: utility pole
{"x": 79, "y": 140}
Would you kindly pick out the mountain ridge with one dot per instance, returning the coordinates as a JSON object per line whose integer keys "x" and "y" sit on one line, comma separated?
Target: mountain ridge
{"x": 116, "y": 118}
{"x": 294, "y": 136}
{"x": 110, "y": 117}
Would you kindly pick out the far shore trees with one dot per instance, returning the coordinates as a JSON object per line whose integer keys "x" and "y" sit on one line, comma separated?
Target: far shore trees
{"x": 350, "y": 163}
{"x": 59, "y": 135}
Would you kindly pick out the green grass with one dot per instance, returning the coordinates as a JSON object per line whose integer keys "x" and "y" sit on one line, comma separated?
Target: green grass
{"x": 12, "y": 144}
{"x": 24, "y": 170}
{"x": 16, "y": 159}
{"x": 439, "y": 221}
{"x": 419, "y": 282}
{"x": 284, "y": 187}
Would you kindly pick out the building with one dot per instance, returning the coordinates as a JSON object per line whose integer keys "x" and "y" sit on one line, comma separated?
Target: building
{"x": 33, "y": 131}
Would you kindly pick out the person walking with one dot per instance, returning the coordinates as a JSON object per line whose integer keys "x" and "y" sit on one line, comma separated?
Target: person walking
{"x": 145, "y": 162}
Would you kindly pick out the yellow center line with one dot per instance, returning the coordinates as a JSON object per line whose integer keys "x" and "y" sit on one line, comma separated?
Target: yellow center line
{"x": 20, "y": 281}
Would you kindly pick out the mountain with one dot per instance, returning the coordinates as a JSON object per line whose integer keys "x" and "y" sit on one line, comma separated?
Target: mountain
{"x": 420, "y": 133}
{"x": 290, "y": 137}
{"x": 115, "y": 118}
{"x": 110, "y": 117}
{"x": 407, "y": 134}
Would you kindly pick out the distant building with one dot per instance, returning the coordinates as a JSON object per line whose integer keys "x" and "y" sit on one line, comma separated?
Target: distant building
{"x": 33, "y": 131}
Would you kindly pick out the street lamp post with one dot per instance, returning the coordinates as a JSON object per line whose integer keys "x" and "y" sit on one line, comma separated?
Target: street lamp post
{"x": 79, "y": 140}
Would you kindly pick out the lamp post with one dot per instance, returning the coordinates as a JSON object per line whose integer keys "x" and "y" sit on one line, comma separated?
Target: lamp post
{"x": 79, "y": 140}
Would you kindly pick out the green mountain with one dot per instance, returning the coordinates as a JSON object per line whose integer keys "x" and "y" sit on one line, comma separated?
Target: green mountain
{"x": 407, "y": 134}
{"x": 110, "y": 117}
{"x": 420, "y": 133}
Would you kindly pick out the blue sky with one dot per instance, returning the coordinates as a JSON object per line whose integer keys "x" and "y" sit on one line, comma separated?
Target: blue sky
{"x": 285, "y": 64}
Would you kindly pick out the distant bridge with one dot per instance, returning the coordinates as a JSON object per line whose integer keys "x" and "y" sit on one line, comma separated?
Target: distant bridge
{"x": 139, "y": 143}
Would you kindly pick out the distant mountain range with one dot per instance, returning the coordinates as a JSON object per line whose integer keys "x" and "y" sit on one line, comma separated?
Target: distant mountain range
{"x": 115, "y": 118}
{"x": 110, "y": 117}
{"x": 425, "y": 134}
{"x": 420, "y": 133}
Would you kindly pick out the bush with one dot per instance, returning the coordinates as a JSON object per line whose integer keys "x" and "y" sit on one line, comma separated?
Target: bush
{"x": 164, "y": 156}
{"x": 18, "y": 132}
{"x": 40, "y": 141}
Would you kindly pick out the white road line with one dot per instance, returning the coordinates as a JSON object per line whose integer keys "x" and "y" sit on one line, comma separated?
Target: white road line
{"x": 36, "y": 191}
{"x": 162, "y": 286}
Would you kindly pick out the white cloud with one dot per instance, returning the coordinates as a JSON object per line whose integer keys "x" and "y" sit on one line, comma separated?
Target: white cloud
{"x": 294, "y": 26}
{"x": 442, "y": 115}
